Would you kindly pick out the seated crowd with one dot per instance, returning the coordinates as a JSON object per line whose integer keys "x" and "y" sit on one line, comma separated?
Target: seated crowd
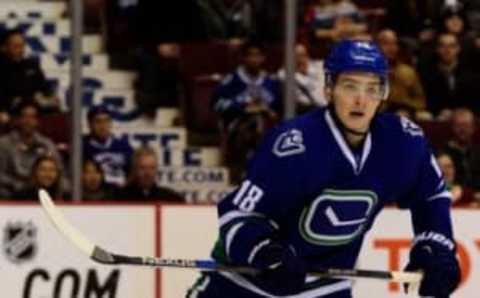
{"x": 434, "y": 78}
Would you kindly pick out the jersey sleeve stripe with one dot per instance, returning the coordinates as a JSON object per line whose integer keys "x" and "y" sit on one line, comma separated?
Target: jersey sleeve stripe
{"x": 444, "y": 194}
{"x": 233, "y": 215}
{"x": 256, "y": 249}
{"x": 231, "y": 235}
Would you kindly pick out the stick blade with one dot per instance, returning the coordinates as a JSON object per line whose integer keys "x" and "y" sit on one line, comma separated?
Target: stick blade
{"x": 407, "y": 277}
{"x": 63, "y": 226}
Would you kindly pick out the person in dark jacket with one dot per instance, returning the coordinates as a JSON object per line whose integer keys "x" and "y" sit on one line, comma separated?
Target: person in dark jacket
{"x": 94, "y": 185}
{"x": 142, "y": 182}
{"x": 22, "y": 78}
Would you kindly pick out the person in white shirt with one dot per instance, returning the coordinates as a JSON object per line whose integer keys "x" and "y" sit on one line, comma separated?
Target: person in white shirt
{"x": 309, "y": 79}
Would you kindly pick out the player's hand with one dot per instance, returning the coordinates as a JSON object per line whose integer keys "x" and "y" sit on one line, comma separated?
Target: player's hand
{"x": 441, "y": 271}
{"x": 283, "y": 272}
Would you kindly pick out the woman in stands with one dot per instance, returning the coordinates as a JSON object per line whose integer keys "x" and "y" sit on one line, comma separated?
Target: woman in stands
{"x": 46, "y": 174}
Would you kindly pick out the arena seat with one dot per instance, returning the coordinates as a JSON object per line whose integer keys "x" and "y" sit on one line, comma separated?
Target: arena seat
{"x": 200, "y": 117}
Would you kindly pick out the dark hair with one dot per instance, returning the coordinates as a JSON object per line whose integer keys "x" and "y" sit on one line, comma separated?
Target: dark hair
{"x": 443, "y": 33}
{"x": 5, "y": 36}
{"x": 17, "y": 108}
{"x": 96, "y": 110}
{"x": 33, "y": 179}
{"x": 97, "y": 166}
{"x": 95, "y": 163}
{"x": 252, "y": 44}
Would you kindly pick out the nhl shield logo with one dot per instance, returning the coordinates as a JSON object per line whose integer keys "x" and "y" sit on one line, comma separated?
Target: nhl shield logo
{"x": 20, "y": 241}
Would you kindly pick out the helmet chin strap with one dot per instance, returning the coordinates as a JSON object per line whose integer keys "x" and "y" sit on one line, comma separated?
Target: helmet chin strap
{"x": 342, "y": 126}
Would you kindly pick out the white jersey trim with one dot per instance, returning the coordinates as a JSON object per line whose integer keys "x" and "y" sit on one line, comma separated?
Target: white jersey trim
{"x": 320, "y": 291}
{"x": 231, "y": 215}
{"x": 444, "y": 194}
{"x": 231, "y": 235}
{"x": 256, "y": 249}
{"x": 367, "y": 147}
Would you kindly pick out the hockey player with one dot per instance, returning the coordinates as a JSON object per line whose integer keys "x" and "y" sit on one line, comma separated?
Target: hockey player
{"x": 316, "y": 185}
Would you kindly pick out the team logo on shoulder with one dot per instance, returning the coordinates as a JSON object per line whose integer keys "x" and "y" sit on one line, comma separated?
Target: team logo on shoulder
{"x": 410, "y": 127}
{"x": 289, "y": 143}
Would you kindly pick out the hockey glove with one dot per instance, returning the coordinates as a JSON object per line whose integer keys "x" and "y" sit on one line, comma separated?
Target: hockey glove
{"x": 434, "y": 254}
{"x": 283, "y": 272}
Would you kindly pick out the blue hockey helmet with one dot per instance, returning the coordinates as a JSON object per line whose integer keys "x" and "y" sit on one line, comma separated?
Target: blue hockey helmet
{"x": 355, "y": 55}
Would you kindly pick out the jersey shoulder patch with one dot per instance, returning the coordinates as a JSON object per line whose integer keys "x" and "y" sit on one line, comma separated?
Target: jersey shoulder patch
{"x": 289, "y": 143}
{"x": 411, "y": 128}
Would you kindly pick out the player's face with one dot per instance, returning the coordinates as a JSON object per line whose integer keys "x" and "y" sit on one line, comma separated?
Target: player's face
{"x": 146, "y": 170}
{"x": 356, "y": 97}
{"x": 46, "y": 173}
{"x": 101, "y": 126}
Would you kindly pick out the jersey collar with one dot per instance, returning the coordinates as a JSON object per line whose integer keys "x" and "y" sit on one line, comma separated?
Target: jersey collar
{"x": 243, "y": 75}
{"x": 357, "y": 165}
{"x": 105, "y": 145}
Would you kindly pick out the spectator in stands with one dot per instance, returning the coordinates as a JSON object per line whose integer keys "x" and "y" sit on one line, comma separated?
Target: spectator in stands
{"x": 159, "y": 83}
{"x": 20, "y": 148}
{"x": 22, "y": 78}
{"x": 142, "y": 181}
{"x": 93, "y": 181}
{"x": 448, "y": 169}
{"x": 335, "y": 19}
{"x": 46, "y": 174}
{"x": 112, "y": 153}
{"x": 454, "y": 21}
{"x": 249, "y": 90}
{"x": 248, "y": 101}
{"x": 463, "y": 149}
{"x": 309, "y": 79}
{"x": 447, "y": 81}
{"x": 406, "y": 91}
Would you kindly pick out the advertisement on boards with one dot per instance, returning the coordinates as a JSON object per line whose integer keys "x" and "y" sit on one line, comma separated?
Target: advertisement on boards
{"x": 37, "y": 262}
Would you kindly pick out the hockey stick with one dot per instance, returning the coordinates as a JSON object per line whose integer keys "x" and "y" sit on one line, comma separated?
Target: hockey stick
{"x": 103, "y": 256}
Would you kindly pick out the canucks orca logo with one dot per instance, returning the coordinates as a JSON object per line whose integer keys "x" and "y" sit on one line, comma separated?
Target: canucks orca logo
{"x": 337, "y": 217}
{"x": 20, "y": 241}
{"x": 289, "y": 143}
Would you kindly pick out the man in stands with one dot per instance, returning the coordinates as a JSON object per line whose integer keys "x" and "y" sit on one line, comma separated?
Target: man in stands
{"x": 463, "y": 149}
{"x": 247, "y": 101}
{"x": 20, "y": 148}
{"x": 448, "y": 81}
{"x": 309, "y": 80}
{"x": 142, "y": 183}
{"x": 112, "y": 153}
{"x": 21, "y": 77}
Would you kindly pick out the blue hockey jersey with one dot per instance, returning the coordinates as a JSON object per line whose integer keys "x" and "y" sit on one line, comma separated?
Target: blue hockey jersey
{"x": 238, "y": 89}
{"x": 113, "y": 155}
{"x": 308, "y": 188}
